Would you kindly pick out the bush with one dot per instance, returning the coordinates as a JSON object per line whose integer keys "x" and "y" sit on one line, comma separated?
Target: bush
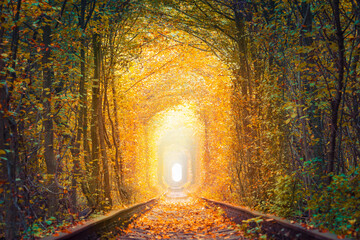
{"x": 288, "y": 193}
{"x": 337, "y": 206}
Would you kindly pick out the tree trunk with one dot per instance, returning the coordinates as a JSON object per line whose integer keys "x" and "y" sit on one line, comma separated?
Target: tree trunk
{"x": 241, "y": 105}
{"x": 335, "y": 102}
{"x": 115, "y": 125}
{"x": 355, "y": 98}
{"x": 314, "y": 116}
{"x": 207, "y": 157}
{"x": 117, "y": 142}
{"x": 8, "y": 133}
{"x": 104, "y": 157}
{"x": 48, "y": 121}
{"x": 94, "y": 130}
{"x": 80, "y": 120}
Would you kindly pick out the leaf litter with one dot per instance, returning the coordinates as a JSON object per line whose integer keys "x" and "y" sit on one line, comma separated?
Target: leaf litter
{"x": 187, "y": 218}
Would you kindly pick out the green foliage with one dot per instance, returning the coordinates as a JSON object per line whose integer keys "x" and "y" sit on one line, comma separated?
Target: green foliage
{"x": 313, "y": 168}
{"x": 252, "y": 228}
{"x": 337, "y": 206}
{"x": 288, "y": 194}
{"x": 50, "y": 220}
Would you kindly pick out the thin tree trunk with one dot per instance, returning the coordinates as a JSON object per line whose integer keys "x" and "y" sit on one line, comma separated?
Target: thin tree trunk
{"x": 306, "y": 27}
{"x": 8, "y": 133}
{"x": 115, "y": 125}
{"x": 80, "y": 120}
{"x": 241, "y": 104}
{"x": 355, "y": 98}
{"x": 335, "y": 102}
{"x": 104, "y": 157}
{"x": 95, "y": 111}
{"x": 115, "y": 138}
{"x": 86, "y": 148}
{"x": 207, "y": 157}
{"x": 49, "y": 154}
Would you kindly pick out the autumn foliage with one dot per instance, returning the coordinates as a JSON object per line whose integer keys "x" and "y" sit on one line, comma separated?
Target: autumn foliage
{"x": 266, "y": 91}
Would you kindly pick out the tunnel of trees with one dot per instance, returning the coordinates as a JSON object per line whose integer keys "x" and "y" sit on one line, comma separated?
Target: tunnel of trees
{"x": 259, "y": 98}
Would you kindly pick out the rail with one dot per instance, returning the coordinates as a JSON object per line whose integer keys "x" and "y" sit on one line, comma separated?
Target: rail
{"x": 96, "y": 228}
{"x": 274, "y": 227}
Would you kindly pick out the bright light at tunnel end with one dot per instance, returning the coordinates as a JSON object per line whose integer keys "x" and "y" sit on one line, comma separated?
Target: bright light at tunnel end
{"x": 176, "y": 172}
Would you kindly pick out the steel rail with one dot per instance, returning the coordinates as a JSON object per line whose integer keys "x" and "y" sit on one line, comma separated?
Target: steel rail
{"x": 95, "y": 228}
{"x": 274, "y": 227}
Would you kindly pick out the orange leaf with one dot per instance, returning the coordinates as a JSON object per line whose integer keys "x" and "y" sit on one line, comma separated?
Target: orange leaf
{"x": 66, "y": 231}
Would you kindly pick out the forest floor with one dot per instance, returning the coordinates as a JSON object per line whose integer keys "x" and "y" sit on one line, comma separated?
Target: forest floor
{"x": 182, "y": 218}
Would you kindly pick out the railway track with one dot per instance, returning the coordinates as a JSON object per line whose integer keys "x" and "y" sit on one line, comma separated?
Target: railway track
{"x": 158, "y": 219}
{"x": 274, "y": 227}
{"x": 104, "y": 226}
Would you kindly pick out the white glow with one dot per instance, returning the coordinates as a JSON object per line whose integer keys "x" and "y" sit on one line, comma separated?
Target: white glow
{"x": 176, "y": 172}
